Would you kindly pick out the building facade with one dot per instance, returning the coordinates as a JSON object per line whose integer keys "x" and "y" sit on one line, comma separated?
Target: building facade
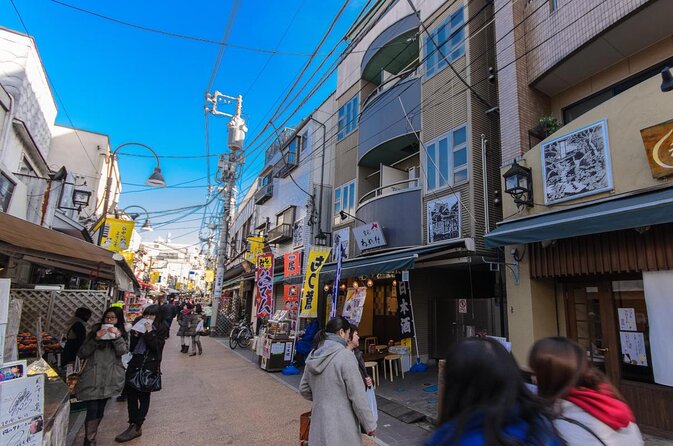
{"x": 582, "y": 108}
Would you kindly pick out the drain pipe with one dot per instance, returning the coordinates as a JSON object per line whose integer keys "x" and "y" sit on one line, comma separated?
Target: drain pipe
{"x": 484, "y": 174}
{"x": 322, "y": 171}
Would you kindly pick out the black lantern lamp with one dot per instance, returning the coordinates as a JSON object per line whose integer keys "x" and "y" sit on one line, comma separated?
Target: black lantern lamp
{"x": 80, "y": 198}
{"x": 321, "y": 239}
{"x": 519, "y": 184}
{"x": 666, "y": 80}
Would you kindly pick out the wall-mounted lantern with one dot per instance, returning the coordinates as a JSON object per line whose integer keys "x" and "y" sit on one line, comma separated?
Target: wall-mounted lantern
{"x": 519, "y": 184}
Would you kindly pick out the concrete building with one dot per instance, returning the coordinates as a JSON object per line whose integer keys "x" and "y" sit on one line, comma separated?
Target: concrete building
{"x": 589, "y": 247}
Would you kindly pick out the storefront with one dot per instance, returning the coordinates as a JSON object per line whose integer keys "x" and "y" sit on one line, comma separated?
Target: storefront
{"x": 595, "y": 262}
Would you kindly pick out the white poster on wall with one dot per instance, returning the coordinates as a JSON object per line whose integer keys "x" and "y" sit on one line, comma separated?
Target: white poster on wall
{"x": 627, "y": 319}
{"x": 20, "y": 399}
{"x": 633, "y": 348}
{"x": 658, "y": 286}
{"x": 444, "y": 218}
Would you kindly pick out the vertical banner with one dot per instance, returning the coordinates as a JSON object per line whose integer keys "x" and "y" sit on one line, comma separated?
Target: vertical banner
{"x": 404, "y": 307}
{"x": 317, "y": 257}
{"x": 354, "y": 304}
{"x": 292, "y": 264}
{"x": 264, "y": 276}
{"x": 255, "y": 248}
{"x": 117, "y": 234}
{"x": 291, "y": 302}
{"x": 337, "y": 276}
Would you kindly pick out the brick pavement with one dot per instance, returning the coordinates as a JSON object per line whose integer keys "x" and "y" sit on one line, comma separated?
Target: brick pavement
{"x": 214, "y": 399}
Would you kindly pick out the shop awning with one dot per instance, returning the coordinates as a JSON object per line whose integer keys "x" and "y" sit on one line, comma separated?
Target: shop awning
{"x": 51, "y": 248}
{"x": 632, "y": 211}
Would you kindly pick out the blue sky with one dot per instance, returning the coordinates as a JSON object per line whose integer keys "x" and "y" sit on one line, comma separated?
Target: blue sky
{"x": 134, "y": 85}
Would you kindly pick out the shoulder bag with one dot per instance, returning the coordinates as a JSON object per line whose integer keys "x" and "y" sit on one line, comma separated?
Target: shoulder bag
{"x": 72, "y": 379}
{"x": 144, "y": 379}
{"x": 585, "y": 427}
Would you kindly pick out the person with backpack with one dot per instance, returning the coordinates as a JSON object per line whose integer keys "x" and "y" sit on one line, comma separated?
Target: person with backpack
{"x": 588, "y": 409}
{"x": 485, "y": 401}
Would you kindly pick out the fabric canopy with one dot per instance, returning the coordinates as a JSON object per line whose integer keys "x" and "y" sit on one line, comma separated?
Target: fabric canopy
{"x": 370, "y": 265}
{"x": 633, "y": 211}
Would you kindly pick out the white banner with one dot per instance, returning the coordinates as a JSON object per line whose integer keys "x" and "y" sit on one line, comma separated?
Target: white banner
{"x": 658, "y": 286}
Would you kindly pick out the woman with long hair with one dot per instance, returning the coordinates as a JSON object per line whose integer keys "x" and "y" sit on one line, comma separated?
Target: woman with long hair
{"x": 147, "y": 348}
{"x": 103, "y": 373}
{"x": 588, "y": 408}
{"x": 332, "y": 381}
{"x": 74, "y": 337}
{"x": 486, "y": 402}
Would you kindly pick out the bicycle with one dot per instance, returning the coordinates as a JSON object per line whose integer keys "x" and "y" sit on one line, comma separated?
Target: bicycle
{"x": 240, "y": 335}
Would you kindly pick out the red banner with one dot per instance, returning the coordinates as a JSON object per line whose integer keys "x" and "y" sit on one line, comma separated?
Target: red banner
{"x": 264, "y": 276}
{"x": 292, "y": 261}
{"x": 291, "y": 302}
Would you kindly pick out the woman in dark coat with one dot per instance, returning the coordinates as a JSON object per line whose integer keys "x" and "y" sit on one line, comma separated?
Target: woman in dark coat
{"x": 75, "y": 336}
{"x": 103, "y": 374}
{"x": 147, "y": 349}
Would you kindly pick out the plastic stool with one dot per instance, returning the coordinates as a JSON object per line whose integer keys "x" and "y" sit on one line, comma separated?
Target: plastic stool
{"x": 389, "y": 361}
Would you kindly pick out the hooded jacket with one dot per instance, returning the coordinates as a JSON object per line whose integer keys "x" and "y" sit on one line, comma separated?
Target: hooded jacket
{"x": 332, "y": 381}
{"x": 601, "y": 412}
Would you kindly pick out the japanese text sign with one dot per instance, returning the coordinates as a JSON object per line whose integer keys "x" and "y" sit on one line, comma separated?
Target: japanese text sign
{"x": 255, "y": 248}
{"x": 117, "y": 234}
{"x": 369, "y": 236}
{"x": 292, "y": 261}
{"x": 317, "y": 257}
{"x": 264, "y": 276}
{"x": 404, "y": 307}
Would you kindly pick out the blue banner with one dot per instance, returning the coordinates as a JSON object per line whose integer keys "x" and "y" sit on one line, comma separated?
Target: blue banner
{"x": 337, "y": 276}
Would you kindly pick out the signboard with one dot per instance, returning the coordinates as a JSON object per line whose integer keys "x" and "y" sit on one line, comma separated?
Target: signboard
{"x": 20, "y": 399}
{"x": 210, "y": 276}
{"x": 264, "y": 276}
{"x": 27, "y": 432}
{"x": 128, "y": 256}
{"x": 317, "y": 257}
{"x": 444, "y": 218}
{"x": 404, "y": 311}
{"x": 155, "y": 276}
{"x": 658, "y": 142}
{"x": 341, "y": 238}
{"x": 117, "y": 234}
{"x": 255, "y": 248}
{"x": 298, "y": 233}
{"x": 291, "y": 301}
{"x": 627, "y": 319}
{"x": 355, "y": 302}
{"x": 292, "y": 264}
{"x": 369, "y": 236}
{"x": 337, "y": 277}
{"x": 462, "y": 306}
{"x": 633, "y": 348}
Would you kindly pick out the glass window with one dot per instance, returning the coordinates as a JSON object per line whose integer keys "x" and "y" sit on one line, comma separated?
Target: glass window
{"x": 431, "y": 169}
{"x": 449, "y": 37}
{"x": 344, "y": 200}
{"x": 446, "y": 159}
{"x": 351, "y": 202}
{"x": 443, "y": 162}
{"x": 6, "y": 191}
{"x": 348, "y": 117}
{"x": 337, "y": 200}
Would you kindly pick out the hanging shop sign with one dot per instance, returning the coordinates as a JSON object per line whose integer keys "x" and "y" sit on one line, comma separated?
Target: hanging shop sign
{"x": 316, "y": 259}
{"x": 354, "y": 305}
{"x": 291, "y": 301}
{"x": 369, "y": 236}
{"x": 404, "y": 311}
{"x": 292, "y": 264}
{"x": 155, "y": 277}
{"x": 658, "y": 142}
{"x": 337, "y": 277}
{"x": 128, "y": 256}
{"x": 210, "y": 276}
{"x": 341, "y": 237}
{"x": 255, "y": 248}
{"x": 264, "y": 276}
{"x": 298, "y": 233}
{"x": 117, "y": 234}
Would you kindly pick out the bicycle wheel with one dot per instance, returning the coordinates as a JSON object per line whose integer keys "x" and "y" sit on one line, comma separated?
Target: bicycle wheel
{"x": 232, "y": 338}
{"x": 244, "y": 337}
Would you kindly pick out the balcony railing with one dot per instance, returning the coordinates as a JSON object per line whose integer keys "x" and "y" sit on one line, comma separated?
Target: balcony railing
{"x": 280, "y": 233}
{"x": 286, "y": 165}
{"x": 264, "y": 193}
{"x": 389, "y": 189}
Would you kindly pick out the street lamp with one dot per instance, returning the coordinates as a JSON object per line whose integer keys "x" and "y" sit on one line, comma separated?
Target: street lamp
{"x": 147, "y": 226}
{"x": 344, "y": 215}
{"x": 155, "y": 180}
{"x": 80, "y": 198}
{"x": 519, "y": 184}
{"x": 321, "y": 239}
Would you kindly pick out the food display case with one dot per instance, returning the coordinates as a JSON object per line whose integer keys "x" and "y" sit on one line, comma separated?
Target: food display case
{"x": 276, "y": 352}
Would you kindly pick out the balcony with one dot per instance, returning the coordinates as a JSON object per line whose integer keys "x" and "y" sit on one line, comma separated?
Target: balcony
{"x": 264, "y": 193}
{"x": 398, "y": 209}
{"x": 280, "y": 233}
{"x": 385, "y": 134}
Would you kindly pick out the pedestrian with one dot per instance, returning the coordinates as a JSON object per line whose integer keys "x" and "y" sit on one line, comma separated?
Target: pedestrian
{"x": 208, "y": 312}
{"x": 588, "y": 409}
{"x": 187, "y": 321}
{"x": 147, "y": 348}
{"x": 74, "y": 337}
{"x": 332, "y": 381}
{"x": 103, "y": 373}
{"x": 198, "y": 329}
{"x": 169, "y": 311}
{"x": 485, "y": 401}
{"x": 353, "y": 345}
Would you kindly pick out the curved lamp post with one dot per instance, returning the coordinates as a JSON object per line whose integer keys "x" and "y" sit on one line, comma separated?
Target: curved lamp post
{"x": 155, "y": 180}
{"x": 147, "y": 226}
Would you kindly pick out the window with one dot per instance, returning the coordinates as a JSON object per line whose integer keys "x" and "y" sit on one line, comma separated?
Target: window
{"x": 553, "y": 5}
{"x": 285, "y": 217}
{"x": 292, "y": 153}
{"x": 6, "y": 191}
{"x": 344, "y": 200}
{"x": 348, "y": 117}
{"x": 446, "y": 159}
{"x": 446, "y": 42}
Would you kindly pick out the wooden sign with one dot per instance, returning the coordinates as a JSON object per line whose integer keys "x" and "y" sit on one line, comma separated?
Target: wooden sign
{"x": 658, "y": 142}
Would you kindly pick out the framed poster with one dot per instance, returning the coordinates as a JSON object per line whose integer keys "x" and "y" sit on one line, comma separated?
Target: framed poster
{"x": 577, "y": 164}
{"x": 444, "y": 218}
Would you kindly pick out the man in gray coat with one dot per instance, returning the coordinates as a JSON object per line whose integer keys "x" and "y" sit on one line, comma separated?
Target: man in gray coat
{"x": 333, "y": 382}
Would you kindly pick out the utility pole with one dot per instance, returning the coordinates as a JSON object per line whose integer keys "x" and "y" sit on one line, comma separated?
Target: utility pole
{"x": 229, "y": 167}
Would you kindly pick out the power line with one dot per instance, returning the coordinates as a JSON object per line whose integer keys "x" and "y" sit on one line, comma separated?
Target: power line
{"x": 225, "y": 39}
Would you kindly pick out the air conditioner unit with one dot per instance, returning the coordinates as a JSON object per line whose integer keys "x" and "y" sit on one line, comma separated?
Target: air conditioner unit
{"x": 414, "y": 172}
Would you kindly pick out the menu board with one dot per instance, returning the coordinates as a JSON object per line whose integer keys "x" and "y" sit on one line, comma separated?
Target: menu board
{"x": 633, "y": 348}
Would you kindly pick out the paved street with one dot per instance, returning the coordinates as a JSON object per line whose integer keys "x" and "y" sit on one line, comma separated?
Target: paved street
{"x": 215, "y": 399}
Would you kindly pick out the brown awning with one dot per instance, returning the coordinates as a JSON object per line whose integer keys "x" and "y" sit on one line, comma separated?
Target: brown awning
{"x": 56, "y": 248}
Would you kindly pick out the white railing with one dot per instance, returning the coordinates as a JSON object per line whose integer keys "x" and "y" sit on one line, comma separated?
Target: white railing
{"x": 393, "y": 187}
{"x": 409, "y": 74}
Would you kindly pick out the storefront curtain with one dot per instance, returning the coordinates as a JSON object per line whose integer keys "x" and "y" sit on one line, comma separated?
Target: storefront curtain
{"x": 658, "y": 286}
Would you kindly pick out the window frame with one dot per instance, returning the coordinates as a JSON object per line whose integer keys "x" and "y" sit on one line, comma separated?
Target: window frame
{"x": 351, "y": 189}
{"x": 432, "y": 150}
{"x": 292, "y": 214}
{"x": 6, "y": 200}
{"x": 345, "y": 124}
{"x": 434, "y": 62}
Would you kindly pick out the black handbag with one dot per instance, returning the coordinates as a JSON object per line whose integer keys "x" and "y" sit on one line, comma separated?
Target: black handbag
{"x": 145, "y": 380}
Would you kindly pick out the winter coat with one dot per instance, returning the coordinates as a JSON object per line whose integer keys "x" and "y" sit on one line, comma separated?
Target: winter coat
{"x": 332, "y": 381}
{"x": 576, "y": 435}
{"x": 74, "y": 339}
{"x": 473, "y": 434}
{"x": 154, "y": 343}
{"x": 187, "y": 324}
{"x": 103, "y": 374}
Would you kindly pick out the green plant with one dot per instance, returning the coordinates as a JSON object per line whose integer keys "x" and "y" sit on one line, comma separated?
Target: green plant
{"x": 548, "y": 125}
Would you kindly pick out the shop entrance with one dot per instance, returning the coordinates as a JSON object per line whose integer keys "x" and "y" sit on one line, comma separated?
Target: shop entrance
{"x": 386, "y": 322}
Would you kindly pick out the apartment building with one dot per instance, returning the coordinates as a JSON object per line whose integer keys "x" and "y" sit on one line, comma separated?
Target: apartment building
{"x": 417, "y": 156}
{"x": 586, "y": 118}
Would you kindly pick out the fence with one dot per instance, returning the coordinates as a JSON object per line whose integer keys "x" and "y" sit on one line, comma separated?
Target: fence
{"x": 57, "y": 307}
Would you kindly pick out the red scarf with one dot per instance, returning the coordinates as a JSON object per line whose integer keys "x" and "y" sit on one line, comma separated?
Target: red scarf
{"x": 602, "y": 405}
